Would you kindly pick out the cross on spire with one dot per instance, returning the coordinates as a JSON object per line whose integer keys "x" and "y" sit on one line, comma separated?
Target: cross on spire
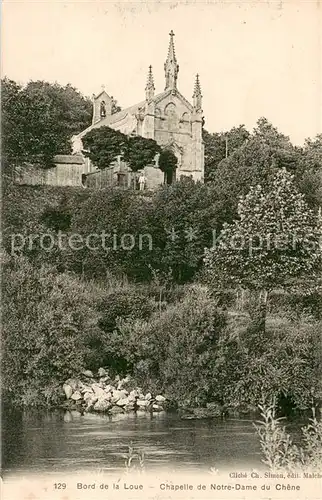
{"x": 197, "y": 88}
{"x": 171, "y": 67}
{"x": 150, "y": 82}
{"x": 149, "y": 89}
{"x": 197, "y": 96}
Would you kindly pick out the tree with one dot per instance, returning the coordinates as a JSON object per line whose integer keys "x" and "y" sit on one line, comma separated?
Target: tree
{"x": 174, "y": 225}
{"x": 183, "y": 216}
{"x": 309, "y": 172}
{"x": 39, "y": 119}
{"x": 43, "y": 338}
{"x": 104, "y": 144}
{"x": 274, "y": 240}
{"x": 168, "y": 164}
{"x": 255, "y": 162}
{"x": 121, "y": 235}
{"x": 140, "y": 152}
{"x": 220, "y": 145}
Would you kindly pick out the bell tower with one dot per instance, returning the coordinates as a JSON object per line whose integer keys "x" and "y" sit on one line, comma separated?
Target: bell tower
{"x": 102, "y": 105}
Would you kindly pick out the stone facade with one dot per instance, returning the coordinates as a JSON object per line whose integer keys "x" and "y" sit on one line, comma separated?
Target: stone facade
{"x": 168, "y": 118}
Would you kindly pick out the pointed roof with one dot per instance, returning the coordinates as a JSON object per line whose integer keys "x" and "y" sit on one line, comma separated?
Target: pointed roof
{"x": 150, "y": 81}
{"x": 171, "y": 51}
{"x": 103, "y": 91}
{"x": 197, "y": 88}
{"x": 171, "y": 66}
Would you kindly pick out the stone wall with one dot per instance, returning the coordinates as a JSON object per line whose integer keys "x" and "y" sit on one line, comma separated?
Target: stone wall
{"x": 59, "y": 175}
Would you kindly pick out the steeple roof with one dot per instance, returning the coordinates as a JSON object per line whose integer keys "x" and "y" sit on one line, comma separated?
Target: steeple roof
{"x": 171, "y": 51}
{"x": 197, "y": 88}
{"x": 150, "y": 81}
{"x": 171, "y": 66}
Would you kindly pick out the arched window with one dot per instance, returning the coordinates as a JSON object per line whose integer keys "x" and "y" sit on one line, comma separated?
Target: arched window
{"x": 103, "y": 109}
{"x": 172, "y": 117}
{"x": 185, "y": 121}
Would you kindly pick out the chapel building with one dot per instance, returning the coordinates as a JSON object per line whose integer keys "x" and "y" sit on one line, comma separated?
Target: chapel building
{"x": 167, "y": 117}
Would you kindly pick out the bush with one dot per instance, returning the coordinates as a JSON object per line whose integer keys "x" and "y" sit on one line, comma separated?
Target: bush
{"x": 123, "y": 304}
{"x": 175, "y": 350}
{"x": 285, "y": 365}
{"x": 279, "y": 451}
{"x": 45, "y": 315}
{"x": 117, "y": 214}
{"x": 297, "y": 304}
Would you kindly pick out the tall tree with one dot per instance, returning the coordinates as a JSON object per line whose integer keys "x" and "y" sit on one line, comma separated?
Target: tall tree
{"x": 219, "y": 146}
{"x": 140, "y": 151}
{"x": 254, "y": 162}
{"x": 103, "y": 145}
{"x": 274, "y": 240}
{"x": 39, "y": 119}
{"x": 309, "y": 173}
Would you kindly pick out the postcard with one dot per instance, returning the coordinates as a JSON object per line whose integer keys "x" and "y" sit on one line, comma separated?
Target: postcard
{"x": 162, "y": 250}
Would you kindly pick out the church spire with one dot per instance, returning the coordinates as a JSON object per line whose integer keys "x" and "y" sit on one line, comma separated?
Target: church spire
{"x": 171, "y": 67}
{"x": 149, "y": 89}
{"x": 197, "y": 96}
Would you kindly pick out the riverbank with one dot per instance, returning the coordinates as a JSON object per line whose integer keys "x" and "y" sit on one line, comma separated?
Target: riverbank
{"x": 103, "y": 394}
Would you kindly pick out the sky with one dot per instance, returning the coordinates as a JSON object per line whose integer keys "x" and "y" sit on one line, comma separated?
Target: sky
{"x": 255, "y": 58}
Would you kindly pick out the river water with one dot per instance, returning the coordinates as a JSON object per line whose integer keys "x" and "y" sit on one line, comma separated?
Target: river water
{"x": 60, "y": 441}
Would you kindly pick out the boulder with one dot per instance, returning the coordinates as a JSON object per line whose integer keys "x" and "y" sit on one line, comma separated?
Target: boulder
{"x": 90, "y": 398}
{"x": 67, "y": 390}
{"x": 133, "y": 396}
{"x": 156, "y": 407}
{"x": 85, "y": 388}
{"x": 102, "y": 405}
{"x": 98, "y": 391}
{"x": 123, "y": 402}
{"x": 73, "y": 382}
{"x": 103, "y": 380}
{"x": 76, "y": 396}
{"x": 160, "y": 399}
{"x": 117, "y": 395}
{"x": 88, "y": 373}
{"x": 142, "y": 403}
{"x": 148, "y": 396}
{"x": 116, "y": 409}
{"x": 102, "y": 372}
{"x": 129, "y": 407}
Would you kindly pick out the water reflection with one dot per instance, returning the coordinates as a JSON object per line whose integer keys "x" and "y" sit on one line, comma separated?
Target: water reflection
{"x": 69, "y": 441}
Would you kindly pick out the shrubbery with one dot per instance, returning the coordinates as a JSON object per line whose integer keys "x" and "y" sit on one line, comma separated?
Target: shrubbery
{"x": 174, "y": 350}
{"x": 55, "y": 325}
{"x": 285, "y": 365}
{"x": 175, "y": 338}
{"x": 123, "y": 304}
{"x": 280, "y": 452}
{"x": 44, "y": 317}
